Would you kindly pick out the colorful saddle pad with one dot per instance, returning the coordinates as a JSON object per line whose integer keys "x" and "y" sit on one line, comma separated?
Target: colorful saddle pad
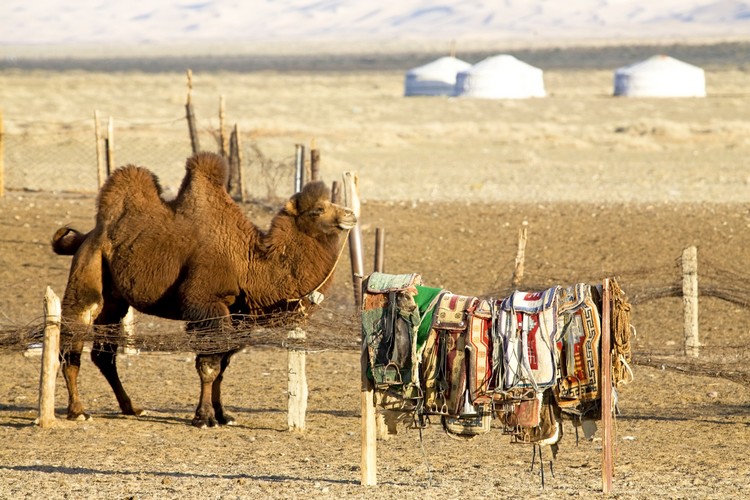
{"x": 444, "y": 356}
{"x": 479, "y": 350}
{"x": 390, "y": 319}
{"x": 578, "y": 346}
{"x": 528, "y": 326}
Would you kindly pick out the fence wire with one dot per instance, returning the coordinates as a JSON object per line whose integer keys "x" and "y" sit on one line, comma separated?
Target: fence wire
{"x": 62, "y": 156}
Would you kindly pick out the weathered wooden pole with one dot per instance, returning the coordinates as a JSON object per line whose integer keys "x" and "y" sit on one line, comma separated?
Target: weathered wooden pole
{"x": 101, "y": 163}
{"x": 236, "y": 187}
{"x": 109, "y": 145}
{"x": 520, "y": 256}
{"x": 296, "y": 370}
{"x": 351, "y": 200}
{"x": 382, "y": 430}
{"x": 299, "y": 167}
{"x": 379, "y": 250}
{"x": 127, "y": 325}
{"x": 2, "y": 156}
{"x": 190, "y": 115}
{"x": 296, "y": 381}
{"x": 314, "y": 165}
{"x": 690, "y": 300}
{"x": 50, "y": 359}
{"x": 368, "y": 463}
{"x": 223, "y": 138}
{"x": 606, "y": 379}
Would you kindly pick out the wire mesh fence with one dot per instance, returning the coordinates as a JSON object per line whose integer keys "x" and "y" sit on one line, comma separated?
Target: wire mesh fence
{"x": 62, "y": 156}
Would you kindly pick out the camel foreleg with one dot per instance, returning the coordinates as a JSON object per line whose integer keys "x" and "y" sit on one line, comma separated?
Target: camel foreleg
{"x": 209, "y": 367}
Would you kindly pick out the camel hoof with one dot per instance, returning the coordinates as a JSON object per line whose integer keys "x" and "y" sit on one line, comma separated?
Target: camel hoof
{"x": 82, "y": 417}
{"x": 202, "y": 423}
{"x": 225, "y": 419}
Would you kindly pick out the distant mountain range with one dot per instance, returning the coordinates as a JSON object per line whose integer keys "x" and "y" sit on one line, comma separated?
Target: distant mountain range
{"x": 154, "y": 22}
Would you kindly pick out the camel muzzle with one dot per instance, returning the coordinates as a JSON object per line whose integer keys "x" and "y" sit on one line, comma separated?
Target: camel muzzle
{"x": 348, "y": 221}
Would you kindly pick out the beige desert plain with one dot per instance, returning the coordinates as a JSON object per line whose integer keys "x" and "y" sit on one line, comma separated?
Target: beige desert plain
{"x": 608, "y": 187}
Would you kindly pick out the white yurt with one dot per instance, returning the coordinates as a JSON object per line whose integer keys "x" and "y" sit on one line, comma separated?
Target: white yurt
{"x": 501, "y": 77}
{"x": 660, "y": 76}
{"x": 435, "y": 78}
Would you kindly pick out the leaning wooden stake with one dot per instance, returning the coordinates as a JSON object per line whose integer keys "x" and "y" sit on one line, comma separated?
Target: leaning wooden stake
{"x": 606, "y": 380}
{"x": 368, "y": 464}
{"x": 101, "y": 162}
{"x": 690, "y": 300}
{"x": 223, "y": 138}
{"x": 520, "y": 256}
{"x": 236, "y": 187}
{"x": 299, "y": 167}
{"x": 127, "y": 325}
{"x": 109, "y": 146}
{"x": 296, "y": 381}
{"x": 50, "y": 359}
{"x": 190, "y": 115}
{"x": 314, "y": 165}
{"x": 383, "y": 433}
{"x": 351, "y": 200}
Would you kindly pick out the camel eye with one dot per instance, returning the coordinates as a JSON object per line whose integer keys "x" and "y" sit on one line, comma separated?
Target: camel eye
{"x": 316, "y": 212}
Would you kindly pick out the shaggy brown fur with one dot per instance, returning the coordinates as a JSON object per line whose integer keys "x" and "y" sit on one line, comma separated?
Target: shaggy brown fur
{"x": 196, "y": 258}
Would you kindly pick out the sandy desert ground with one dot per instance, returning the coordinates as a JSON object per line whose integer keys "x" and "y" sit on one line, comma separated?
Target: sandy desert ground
{"x": 608, "y": 187}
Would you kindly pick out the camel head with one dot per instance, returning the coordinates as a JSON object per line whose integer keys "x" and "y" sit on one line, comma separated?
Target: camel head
{"x": 314, "y": 213}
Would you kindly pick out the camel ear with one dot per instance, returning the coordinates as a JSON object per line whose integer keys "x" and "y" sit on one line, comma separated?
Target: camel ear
{"x": 291, "y": 205}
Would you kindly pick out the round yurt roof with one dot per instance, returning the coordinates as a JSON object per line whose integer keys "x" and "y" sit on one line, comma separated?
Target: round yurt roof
{"x": 434, "y": 78}
{"x": 501, "y": 77}
{"x": 660, "y": 76}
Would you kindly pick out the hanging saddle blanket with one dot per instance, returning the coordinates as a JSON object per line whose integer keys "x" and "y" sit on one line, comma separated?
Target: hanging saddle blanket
{"x": 479, "y": 350}
{"x": 527, "y": 331}
{"x": 390, "y": 320}
{"x": 444, "y": 356}
{"x": 578, "y": 345}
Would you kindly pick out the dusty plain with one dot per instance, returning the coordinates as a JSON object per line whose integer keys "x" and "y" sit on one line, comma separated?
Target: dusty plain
{"x": 607, "y": 188}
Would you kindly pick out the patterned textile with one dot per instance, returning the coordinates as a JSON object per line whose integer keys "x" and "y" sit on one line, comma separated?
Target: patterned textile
{"x": 390, "y": 319}
{"x": 479, "y": 347}
{"x": 444, "y": 356}
{"x": 426, "y": 300}
{"x": 528, "y": 325}
{"x": 578, "y": 346}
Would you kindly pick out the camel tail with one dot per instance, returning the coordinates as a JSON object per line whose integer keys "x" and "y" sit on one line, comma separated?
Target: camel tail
{"x": 67, "y": 240}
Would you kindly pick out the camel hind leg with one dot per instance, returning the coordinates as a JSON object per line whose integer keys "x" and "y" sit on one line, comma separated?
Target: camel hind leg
{"x": 104, "y": 353}
{"x": 81, "y": 304}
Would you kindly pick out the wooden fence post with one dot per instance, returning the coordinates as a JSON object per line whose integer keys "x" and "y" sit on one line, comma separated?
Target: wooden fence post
{"x": 606, "y": 380}
{"x": 690, "y": 300}
{"x": 236, "y": 187}
{"x": 368, "y": 463}
{"x": 296, "y": 381}
{"x": 314, "y": 165}
{"x": 127, "y": 324}
{"x": 351, "y": 200}
{"x": 2, "y": 156}
{"x": 50, "y": 359}
{"x": 383, "y": 432}
{"x": 109, "y": 145}
{"x": 299, "y": 167}
{"x": 520, "y": 256}
{"x": 101, "y": 169}
{"x": 192, "y": 127}
{"x": 223, "y": 139}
